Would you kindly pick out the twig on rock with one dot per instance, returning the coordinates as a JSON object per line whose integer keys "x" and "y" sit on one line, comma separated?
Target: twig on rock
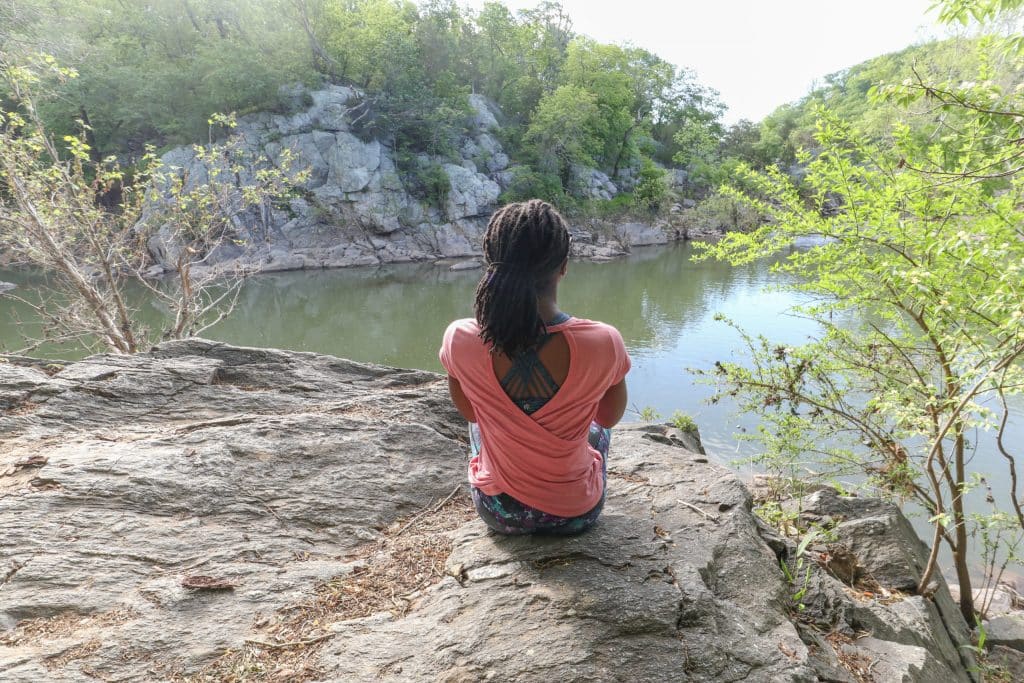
{"x": 293, "y": 643}
{"x": 427, "y": 511}
{"x": 707, "y": 515}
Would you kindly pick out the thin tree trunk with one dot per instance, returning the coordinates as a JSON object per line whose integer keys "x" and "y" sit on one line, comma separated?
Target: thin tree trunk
{"x": 622, "y": 150}
{"x": 963, "y": 574}
{"x": 191, "y": 16}
{"x": 322, "y": 61}
{"x": 90, "y": 136}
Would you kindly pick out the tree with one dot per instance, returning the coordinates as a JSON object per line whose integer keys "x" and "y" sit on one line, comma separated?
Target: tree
{"x": 51, "y": 219}
{"x": 630, "y": 87}
{"x": 916, "y": 285}
{"x": 651, "y": 189}
{"x": 563, "y": 132}
{"x": 687, "y": 120}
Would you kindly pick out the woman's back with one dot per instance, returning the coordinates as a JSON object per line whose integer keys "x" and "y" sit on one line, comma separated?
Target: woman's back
{"x": 542, "y": 458}
{"x": 534, "y": 376}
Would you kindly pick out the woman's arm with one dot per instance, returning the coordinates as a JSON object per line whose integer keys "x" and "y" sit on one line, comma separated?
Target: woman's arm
{"x": 459, "y": 399}
{"x": 612, "y": 405}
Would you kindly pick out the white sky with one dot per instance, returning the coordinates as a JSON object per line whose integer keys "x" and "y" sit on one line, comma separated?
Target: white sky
{"x": 758, "y": 54}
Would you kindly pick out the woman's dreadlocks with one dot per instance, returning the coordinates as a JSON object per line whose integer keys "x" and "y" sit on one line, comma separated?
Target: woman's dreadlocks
{"x": 524, "y": 247}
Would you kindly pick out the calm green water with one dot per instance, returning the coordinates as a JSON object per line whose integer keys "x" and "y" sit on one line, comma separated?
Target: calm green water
{"x": 661, "y": 301}
{"x": 659, "y": 298}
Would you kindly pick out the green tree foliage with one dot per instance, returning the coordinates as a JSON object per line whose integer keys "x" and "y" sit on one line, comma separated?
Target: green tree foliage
{"x": 564, "y": 132}
{"x": 685, "y": 105}
{"x": 154, "y": 72}
{"x": 916, "y": 282}
{"x": 651, "y": 189}
{"x": 846, "y": 93}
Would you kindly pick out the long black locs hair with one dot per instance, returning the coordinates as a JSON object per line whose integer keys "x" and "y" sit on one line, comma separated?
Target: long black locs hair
{"x": 524, "y": 248}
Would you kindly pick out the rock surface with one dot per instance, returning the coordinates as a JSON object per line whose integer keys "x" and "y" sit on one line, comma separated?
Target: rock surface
{"x": 640, "y": 234}
{"x": 593, "y": 184}
{"x": 995, "y": 601}
{"x": 203, "y": 511}
{"x": 1006, "y": 630}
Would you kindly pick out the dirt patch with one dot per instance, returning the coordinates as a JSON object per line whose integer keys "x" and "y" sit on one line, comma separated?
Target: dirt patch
{"x": 389, "y": 576}
{"x": 857, "y": 664}
{"x": 34, "y": 631}
{"x": 80, "y": 651}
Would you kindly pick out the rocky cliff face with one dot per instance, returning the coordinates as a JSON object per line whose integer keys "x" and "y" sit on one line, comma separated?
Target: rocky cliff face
{"x": 355, "y": 207}
{"x": 205, "y": 512}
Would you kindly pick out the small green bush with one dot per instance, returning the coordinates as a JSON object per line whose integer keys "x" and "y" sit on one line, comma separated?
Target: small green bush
{"x": 528, "y": 183}
{"x": 719, "y": 213}
{"x": 651, "y": 189}
{"x": 683, "y": 422}
{"x": 423, "y": 179}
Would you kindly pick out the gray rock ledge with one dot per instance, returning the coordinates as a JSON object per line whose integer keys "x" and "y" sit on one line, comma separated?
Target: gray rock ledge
{"x": 204, "y": 510}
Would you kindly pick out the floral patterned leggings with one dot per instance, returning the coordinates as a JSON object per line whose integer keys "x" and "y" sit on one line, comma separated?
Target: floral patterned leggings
{"x": 506, "y": 515}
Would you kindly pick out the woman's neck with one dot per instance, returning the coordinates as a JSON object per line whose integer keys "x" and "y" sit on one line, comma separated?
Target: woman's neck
{"x": 547, "y": 306}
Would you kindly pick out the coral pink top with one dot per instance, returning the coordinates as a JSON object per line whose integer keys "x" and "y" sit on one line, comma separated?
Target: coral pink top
{"x": 542, "y": 459}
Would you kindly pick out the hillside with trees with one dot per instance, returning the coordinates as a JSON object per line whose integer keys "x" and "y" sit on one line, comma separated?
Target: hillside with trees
{"x": 153, "y": 74}
{"x": 847, "y": 94}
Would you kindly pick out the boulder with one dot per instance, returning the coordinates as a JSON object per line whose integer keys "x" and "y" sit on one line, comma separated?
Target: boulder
{"x": 881, "y": 538}
{"x": 471, "y": 194}
{"x": 483, "y": 117}
{"x": 330, "y": 111}
{"x": 996, "y": 601}
{"x": 593, "y": 183}
{"x": 868, "y": 579}
{"x": 640, "y": 234}
{"x": 1009, "y": 661}
{"x": 896, "y": 663}
{"x": 123, "y": 479}
{"x": 352, "y": 187}
{"x": 1006, "y": 630}
{"x": 351, "y": 162}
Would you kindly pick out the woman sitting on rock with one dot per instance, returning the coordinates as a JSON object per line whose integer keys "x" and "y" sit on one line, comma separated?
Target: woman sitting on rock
{"x": 540, "y": 388}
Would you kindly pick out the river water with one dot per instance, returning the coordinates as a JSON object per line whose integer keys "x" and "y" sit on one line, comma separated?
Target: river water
{"x": 661, "y": 300}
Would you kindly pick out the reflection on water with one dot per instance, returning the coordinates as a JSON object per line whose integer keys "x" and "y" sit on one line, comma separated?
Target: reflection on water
{"x": 661, "y": 301}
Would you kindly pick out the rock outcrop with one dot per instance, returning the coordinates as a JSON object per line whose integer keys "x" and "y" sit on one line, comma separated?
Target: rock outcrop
{"x": 594, "y": 184}
{"x": 207, "y": 512}
{"x": 354, "y": 208}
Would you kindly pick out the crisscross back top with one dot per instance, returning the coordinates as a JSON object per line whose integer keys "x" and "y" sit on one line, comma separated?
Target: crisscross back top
{"x": 528, "y": 383}
{"x": 542, "y": 459}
